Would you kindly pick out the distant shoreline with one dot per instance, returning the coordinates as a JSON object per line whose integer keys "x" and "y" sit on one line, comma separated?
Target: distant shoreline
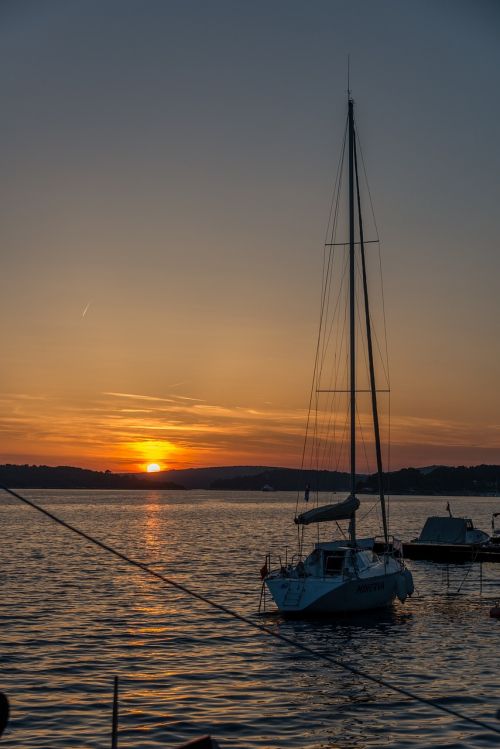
{"x": 482, "y": 480}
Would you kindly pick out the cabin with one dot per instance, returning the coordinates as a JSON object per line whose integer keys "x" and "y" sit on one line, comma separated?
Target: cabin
{"x": 450, "y": 530}
{"x": 329, "y": 559}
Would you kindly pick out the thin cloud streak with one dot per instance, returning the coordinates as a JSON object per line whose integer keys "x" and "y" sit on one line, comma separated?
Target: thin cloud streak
{"x": 86, "y": 308}
{"x": 140, "y": 397}
{"x": 189, "y": 433}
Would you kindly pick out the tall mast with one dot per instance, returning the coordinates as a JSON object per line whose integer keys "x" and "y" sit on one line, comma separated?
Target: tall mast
{"x": 352, "y": 318}
{"x": 373, "y": 389}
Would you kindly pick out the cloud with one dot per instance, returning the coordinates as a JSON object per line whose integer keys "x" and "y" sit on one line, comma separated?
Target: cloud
{"x": 87, "y": 306}
{"x": 191, "y": 432}
{"x": 139, "y": 397}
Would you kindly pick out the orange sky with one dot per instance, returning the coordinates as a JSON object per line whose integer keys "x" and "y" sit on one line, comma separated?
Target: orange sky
{"x": 163, "y": 205}
{"x": 125, "y": 432}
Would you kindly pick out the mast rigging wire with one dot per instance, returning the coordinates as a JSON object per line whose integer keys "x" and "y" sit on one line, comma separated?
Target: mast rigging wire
{"x": 327, "y": 261}
{"x": 246, "y": 620}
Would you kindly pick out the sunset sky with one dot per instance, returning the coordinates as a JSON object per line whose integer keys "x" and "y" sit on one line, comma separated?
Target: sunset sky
{"x": 167, "y": 169}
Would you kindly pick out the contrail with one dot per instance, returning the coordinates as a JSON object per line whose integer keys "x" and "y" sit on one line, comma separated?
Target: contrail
{"x": 86, "y": 308}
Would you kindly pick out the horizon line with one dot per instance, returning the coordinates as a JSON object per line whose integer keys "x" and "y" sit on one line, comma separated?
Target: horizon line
{"x": 242, "y": 465}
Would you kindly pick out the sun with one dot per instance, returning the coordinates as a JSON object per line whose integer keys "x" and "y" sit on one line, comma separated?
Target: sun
{"x": 153, "y": 468}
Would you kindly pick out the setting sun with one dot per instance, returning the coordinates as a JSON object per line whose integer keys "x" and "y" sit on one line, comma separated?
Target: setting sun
{"x": 153, "y": 468}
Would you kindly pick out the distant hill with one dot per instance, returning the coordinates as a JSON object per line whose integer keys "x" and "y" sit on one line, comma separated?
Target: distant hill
{"x": 447, "y": 480}
{"x": 239, "y": 478}
{"x": 67, "y": 477}
{"x": 443, "y": 480}
{"x": 286, "y": 479}
{"x": 203, "y": 478}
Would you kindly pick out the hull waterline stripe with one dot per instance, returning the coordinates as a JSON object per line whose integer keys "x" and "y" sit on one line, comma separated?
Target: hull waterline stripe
{"x": 260, "y": 627}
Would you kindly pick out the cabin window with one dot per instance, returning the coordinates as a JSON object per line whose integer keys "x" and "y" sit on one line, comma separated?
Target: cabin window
{"x": 333, "y": 564}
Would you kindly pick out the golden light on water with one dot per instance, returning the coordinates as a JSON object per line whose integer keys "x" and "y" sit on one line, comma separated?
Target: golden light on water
{"x": 153, "y": 468}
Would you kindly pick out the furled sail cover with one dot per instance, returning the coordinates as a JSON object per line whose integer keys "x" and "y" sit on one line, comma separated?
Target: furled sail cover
{"x": 339, "y": 511}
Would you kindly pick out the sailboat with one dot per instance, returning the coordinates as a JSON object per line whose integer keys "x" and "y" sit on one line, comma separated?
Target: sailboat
{"x": 344, "y": 575}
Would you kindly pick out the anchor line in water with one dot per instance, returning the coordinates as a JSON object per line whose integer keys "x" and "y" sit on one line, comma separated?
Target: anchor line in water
{"x": 260, "y": 627}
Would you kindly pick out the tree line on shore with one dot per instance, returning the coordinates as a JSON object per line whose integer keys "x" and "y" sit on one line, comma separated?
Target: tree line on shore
{"x": 439, "y": 480}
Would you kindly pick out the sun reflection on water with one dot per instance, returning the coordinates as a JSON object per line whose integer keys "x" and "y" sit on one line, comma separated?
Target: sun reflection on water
{"x": 74, "y": 619}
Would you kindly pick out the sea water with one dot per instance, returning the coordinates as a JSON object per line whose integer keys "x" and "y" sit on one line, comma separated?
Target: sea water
{"x": 72, "y": 617}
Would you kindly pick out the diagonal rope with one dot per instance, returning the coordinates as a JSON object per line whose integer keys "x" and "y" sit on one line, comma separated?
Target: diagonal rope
{"x": 260, "y": 627}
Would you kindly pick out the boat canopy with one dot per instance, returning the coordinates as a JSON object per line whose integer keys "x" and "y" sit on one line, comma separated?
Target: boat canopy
{"x": 444, "y": 530}
{"x": 339, "y": 511}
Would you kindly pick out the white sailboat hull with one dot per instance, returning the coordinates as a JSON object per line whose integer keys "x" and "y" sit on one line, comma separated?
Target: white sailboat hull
{"x": 310, "y": 595}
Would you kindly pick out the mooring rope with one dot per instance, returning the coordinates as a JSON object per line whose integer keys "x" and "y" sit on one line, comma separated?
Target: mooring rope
{"x": 255, "y": 625}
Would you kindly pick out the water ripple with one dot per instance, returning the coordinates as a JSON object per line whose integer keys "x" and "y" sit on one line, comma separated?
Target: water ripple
{"x": 71, "y": 618}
